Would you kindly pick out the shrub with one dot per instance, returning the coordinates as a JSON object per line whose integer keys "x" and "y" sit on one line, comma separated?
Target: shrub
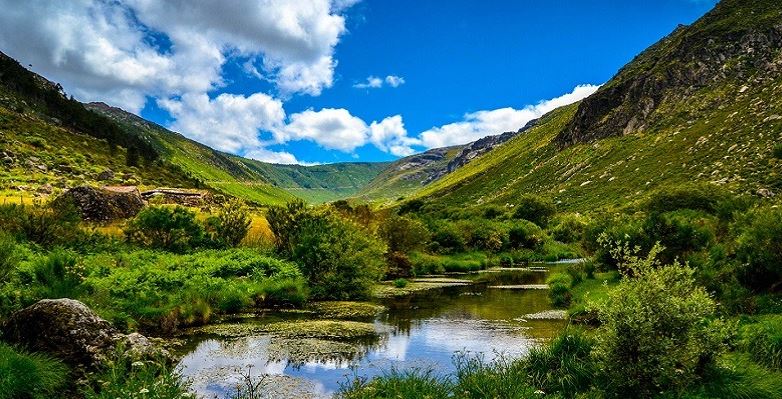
{"x": 399, "y": 265}
{"x": 284, "y": 223}
{"x": 26, "y": 375}
{"x": 493, "y": 212}
{"x": 569, "y": 228}
{"x": 760, "y": 251}
{"x": 339, "y": 260}
{"x": 524, "y": 234}
{"x": 171, "y": 229}
{"x": 400, "y": 283}
{"x": 53, "y": 224}
{"x": 59, "y": 274}
{"x": 559, "y": 289}
{"x": 695, "y": 197}
{"x": 778, "y": 151}
{"x": 448, "y": 238}
{"x": 231, "y": 224}
{"x": 658, "y": 332}
{"x": 403, "y": 234}
{"x": 411, "y": 206}
{"x": 564, "y": 366}
{"x": 763, "y": 340}
{"x": 536, "y": 209}
{"x": 680, "y": 232}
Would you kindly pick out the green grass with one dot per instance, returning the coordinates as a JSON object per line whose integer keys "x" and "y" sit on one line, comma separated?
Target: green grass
{"x": 25, "y": 375}
{"x": 124, "y": 378}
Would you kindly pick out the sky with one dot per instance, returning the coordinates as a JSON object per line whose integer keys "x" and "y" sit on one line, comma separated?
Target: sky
{"x": 322, "y": 81}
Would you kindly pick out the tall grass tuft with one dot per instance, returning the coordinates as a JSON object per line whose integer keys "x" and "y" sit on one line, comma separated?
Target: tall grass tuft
{"x": 26, "y": 375}
{"x": 125, "y": 378}
{"x": 564, "y": 366}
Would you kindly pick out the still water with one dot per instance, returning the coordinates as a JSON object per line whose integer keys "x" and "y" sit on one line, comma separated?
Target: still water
{"x": 419, "y": 331}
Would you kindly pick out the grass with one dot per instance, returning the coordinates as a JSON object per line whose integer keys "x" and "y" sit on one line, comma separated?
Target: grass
{"x": 127, "y": 379}
{"x": 25, "y": 375}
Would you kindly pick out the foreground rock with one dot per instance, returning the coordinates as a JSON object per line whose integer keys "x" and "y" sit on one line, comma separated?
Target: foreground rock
{"x": 69, "y": 330}
{"x": 105, "y": 203}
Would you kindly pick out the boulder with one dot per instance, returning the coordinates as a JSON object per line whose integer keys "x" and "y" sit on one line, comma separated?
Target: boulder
{"x": 105, "y": 203}
{"x": 69, "y": 330}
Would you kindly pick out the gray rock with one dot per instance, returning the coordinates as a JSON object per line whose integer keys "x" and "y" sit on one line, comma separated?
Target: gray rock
{"x": 69, "y": 330}
{"x": 106, "y": 203}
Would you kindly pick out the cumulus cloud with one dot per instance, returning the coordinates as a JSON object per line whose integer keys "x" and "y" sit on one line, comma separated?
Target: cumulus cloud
{"x": 228, "y": 122}
{"x": 489, "y": 122}
{"x": 374, "y": 82}
{"x": 390, "y": 135}
{"x": 124, "y": 51}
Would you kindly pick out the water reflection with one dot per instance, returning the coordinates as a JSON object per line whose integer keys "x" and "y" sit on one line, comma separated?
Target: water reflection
{"x": 422, "y": 331}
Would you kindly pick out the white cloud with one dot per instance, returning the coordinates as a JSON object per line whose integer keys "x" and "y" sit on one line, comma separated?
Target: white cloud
{"x": 228, "y": 122}
{"x": 374, "y": 82}
{"x": 331, "y": 128}
{"x": 106, "y": 50}
{"x": 395, "y": 81}
{"x": 485, "y": 123}
{"x": 390, "y": 135}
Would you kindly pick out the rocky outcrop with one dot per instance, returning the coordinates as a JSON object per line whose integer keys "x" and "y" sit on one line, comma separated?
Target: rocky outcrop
{"x": 176, "y": 196}
{"x": 737, "y": 40}
{"x": 72, "y": 332}
{"x": 106, "y": 203}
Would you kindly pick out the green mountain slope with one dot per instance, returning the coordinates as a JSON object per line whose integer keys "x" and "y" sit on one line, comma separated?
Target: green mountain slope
{"x": 409, "y": 174}
{"x": 704, "y": 104}
{"x": 257, "y": 181}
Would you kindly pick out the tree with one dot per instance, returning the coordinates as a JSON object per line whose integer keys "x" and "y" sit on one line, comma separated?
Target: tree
{"x": 284, "y": 222}
{"x": 760, "y": 251}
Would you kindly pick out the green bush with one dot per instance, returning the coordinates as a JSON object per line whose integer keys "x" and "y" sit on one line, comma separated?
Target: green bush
{"x": 339, "y": 260}
{"x": 403, "y": 234}
{"x": 400, "y": 283}
{"x": 525, "y": 234}
{"x": 399, "y": 265}
{"x": 231, "y": 224}
{"x": 700, "y": 197}
{"x": 681, "y": 232}
{"x": 658, "y": 331}
{"x": 26, "y": 375}
{"x": 777, "y": 151}
{"x": 564, "y": 366}
{"x": 448, "y": 238}
{"x": 569, "y": 228}
{"x": 760, "y": 250}
{"x": 534, "y": 208}
{"x": 284, "y": 223}
{"x": 559, "y": 290}
{"x": 493, "y": 212}
{"x": 171, "y": 229}
{"x": 59, "y": 274}
{"x": 54, "y": 224}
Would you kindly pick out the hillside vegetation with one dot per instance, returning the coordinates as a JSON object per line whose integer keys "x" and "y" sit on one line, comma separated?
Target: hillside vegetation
{"x": 712, "y": 113}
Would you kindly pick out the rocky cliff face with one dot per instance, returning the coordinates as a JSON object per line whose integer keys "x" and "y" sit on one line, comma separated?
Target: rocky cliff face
{"x": 739, "y": 41}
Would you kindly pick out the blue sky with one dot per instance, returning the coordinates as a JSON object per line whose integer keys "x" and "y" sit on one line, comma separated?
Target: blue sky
{"x": 287, "y": 82}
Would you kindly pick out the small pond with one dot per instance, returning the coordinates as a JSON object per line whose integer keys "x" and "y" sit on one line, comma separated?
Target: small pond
{"x": 422, "y": 330}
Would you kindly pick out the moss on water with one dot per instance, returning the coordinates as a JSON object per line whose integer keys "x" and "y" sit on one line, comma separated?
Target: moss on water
{"x": 322, "y": 329}
{"x": 388, "y": 289}
{"x": 346, "y": 310}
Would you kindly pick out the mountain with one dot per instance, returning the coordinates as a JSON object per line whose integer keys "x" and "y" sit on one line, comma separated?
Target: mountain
{"x": 410, "y": 174}
{"x": 49, "y": 142}
{"x": 703, "y": 104}
{"x": 258, "y": 181}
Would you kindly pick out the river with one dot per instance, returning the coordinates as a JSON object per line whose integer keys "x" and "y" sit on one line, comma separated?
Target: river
{"x": 423, "y": 330}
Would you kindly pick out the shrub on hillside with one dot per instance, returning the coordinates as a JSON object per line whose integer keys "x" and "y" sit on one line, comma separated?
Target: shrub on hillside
{"x": 778, "y": 151}
{"x": 760, "y": 250}
{"x": 569, "y": 228}
{"x": 493, "y": 212}
{"x": 47, "y": 225}
{"x": 403, "y": 234}
{"x": 171, "y": 229}
{"x": 658, "y": 331}
{"x": 446, "y": 238}
{"x": 681, "y": 232}
{"x": 525, "y": 234}
{"x": 231, "y": 224}
{"x": 284, "y": 223}
{"x": 534, "y": 208}
{"x": 695, "y": 196}
{"x": 763, "y": 341}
